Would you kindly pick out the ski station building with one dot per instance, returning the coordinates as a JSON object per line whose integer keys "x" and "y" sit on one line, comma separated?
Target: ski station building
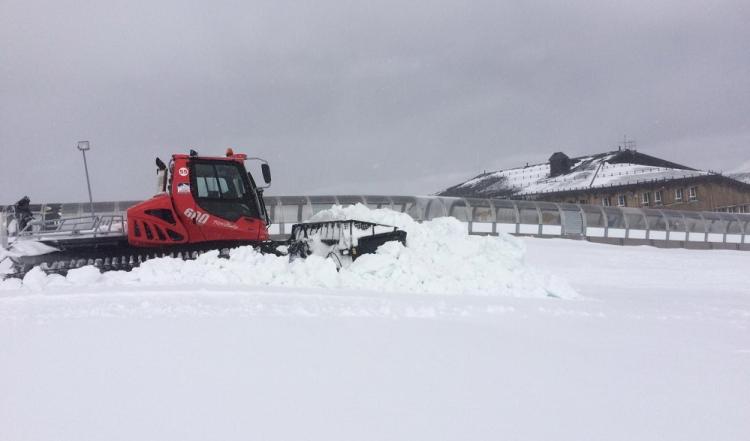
{"x": 621, "y": 178}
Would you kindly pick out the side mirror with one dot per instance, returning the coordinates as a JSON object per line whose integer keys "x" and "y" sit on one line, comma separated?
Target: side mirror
{"x": 266, "y": 172}
{"x": 160, "y": 164}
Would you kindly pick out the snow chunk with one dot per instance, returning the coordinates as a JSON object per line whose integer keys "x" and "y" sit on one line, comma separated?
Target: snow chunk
{"x": 83, "y": 276}
{"x": 28, "y": 248}
{"x": 6, "y": 266}
{"x": 35, "y": 279}
{"x": 10, "y": 284}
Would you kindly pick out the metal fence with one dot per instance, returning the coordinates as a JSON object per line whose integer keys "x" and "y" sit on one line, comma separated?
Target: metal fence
{"x": 618, "y": 225}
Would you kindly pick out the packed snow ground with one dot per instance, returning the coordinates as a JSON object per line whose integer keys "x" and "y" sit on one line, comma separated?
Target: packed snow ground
{"x": 656, "y": 347}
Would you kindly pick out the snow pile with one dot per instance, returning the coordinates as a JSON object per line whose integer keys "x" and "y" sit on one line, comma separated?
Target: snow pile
{"x": 20, "y": 248}
{"x": 440, "y": 258}
{"x": 26, "y": 248}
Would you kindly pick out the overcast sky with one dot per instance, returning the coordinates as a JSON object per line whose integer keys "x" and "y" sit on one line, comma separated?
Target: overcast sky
{"x": 402, "y": 97}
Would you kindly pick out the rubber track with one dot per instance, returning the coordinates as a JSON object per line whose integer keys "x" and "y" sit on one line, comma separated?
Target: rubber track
{"x": 124, "y": 258}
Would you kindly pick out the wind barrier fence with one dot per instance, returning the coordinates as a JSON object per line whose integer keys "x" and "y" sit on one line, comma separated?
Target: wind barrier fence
{"x": 659, "y": 227}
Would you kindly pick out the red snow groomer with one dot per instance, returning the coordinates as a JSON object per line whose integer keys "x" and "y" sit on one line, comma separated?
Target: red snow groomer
{"x": 202, "y": 200}
{"x": 204, "y": 203}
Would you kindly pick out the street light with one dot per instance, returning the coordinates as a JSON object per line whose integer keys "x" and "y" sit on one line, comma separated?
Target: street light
{"x": 83, "y": 146}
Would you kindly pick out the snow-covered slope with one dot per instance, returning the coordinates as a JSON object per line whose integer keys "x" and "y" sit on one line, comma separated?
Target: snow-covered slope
{"x": 656, "y": 347}
{"x": 743, "y": 176}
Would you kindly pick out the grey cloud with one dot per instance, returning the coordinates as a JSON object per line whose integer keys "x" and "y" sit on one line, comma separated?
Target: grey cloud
{"x": 346, "y": 97}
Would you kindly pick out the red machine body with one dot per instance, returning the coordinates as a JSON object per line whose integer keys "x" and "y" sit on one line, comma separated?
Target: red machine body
{"x": 207, "y": 199}
{"x": 204, "y": 204}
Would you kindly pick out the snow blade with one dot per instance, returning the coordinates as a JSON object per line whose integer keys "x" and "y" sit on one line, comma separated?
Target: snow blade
{"x": 343, "y": 240}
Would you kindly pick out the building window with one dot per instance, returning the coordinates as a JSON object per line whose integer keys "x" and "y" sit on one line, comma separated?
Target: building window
{"x": 744, "y": 208}
{"x": 657, "y": 198}
{"x": 678, "y": 194}
{"x": 582, "y": 201}
{"x": 607, "y": 201}
{"x": 693, "y": 193}
{"x": 645, "y": 198}
{"x": 621, "y": 201}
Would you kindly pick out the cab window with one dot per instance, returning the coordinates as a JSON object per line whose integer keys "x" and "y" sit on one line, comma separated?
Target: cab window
{"x": 220, "y": 189}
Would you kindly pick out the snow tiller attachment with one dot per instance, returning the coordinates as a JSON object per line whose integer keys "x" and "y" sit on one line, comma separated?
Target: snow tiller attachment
{"x": 203, "y": 203}
{"x": 343, "y": 240}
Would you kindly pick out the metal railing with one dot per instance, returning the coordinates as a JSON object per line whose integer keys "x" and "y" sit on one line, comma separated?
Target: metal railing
{"x": 620, "y": 225}
{"x": 99, "y": 225}
{"x": 41, "y": 229}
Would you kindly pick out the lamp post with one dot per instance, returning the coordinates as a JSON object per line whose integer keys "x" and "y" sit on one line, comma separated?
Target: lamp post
{"x": 83, "y": 146}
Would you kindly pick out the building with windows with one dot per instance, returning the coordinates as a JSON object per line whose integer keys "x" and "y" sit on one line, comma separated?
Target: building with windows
{"x": 623, "y": 178}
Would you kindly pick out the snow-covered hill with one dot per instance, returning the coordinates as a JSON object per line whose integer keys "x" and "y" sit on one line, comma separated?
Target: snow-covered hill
{"x": 742, "y": 176}
{"x": 656, "y": 346}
